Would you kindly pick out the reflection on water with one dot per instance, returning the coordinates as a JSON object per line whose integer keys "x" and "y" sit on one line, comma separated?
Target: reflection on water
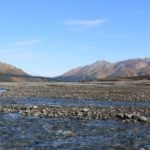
{"x": 2, "y": 91}
{"x": 19, "y": 131}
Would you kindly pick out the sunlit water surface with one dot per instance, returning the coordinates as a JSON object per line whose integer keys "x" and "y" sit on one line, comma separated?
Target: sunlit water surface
{"x": 27, "y": 132}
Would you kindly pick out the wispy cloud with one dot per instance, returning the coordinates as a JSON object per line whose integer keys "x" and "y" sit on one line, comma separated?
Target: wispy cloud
{"x": 87, "y": 23}
{"x": 26, "y": 42}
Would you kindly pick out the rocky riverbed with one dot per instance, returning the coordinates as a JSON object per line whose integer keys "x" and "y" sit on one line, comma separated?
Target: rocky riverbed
{"x": 28, "y": 132}
{"x": 125, "y": 114}
{"x": 71, "y": 115}
{"x": 74, "y": 100}
{"x": 96, "y": 91}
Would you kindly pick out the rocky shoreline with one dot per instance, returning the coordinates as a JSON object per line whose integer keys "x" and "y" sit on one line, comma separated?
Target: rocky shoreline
{"x": 125, "y": 114}
{"x": 111, "y": 93}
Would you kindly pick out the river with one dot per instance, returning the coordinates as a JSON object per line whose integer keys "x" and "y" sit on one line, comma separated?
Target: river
{"x": 29, "y": 132}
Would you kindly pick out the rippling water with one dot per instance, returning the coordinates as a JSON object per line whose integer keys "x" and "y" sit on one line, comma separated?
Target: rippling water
{"x": 17, "y": 131}
{"x": 71, "y": 102}
{"x": 2, "y": 91}
{"x": 28, "y": 132}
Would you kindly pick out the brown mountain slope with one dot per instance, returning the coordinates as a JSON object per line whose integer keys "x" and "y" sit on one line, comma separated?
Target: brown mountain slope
{"x": 23, "y": 78}
{"x": 104, "y": 69}
{"x": 89, "y": 72}
{"x": 9, "y": 69}
{"x": 9, "y": 73}
{"x": 131, "y": 67}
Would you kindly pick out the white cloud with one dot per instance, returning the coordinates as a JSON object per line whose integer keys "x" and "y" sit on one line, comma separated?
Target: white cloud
{"x": 27, "y": 42}
{"x": 86, "y": 23}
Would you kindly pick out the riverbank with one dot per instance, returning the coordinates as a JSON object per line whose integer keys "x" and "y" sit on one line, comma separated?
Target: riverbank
{"x": 74, "y": 116}
{"x": 32, "y": 94}
{"x": 124, "y": 114}
{"x": 113, "y": 91}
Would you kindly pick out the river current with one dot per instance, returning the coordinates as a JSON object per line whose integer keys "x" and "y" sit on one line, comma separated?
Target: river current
{"x": 28, "y": 132}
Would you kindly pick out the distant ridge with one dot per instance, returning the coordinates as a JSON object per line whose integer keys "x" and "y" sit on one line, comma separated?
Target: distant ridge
{"x": 9, "y": 73}
{"x": 103, "y": 69}
{"x": 9, "y": 69}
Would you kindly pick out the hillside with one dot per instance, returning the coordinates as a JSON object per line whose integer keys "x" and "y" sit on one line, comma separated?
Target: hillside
{"x": 9, "y": 69}
{"x": 104, "y": 69}
{"x": 9, "y": 73}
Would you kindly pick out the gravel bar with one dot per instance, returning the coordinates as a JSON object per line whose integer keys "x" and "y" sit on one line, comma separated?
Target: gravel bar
{"x": 78, "y": 91}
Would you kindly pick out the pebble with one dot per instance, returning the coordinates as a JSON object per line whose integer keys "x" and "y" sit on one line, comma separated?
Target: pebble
{"x": 134, "y": 115}
{"x": 78, "y": 91}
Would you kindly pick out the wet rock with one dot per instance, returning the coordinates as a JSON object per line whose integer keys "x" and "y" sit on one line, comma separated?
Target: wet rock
{"x": 126, "y": 114}
{"x": 132, "y": 117}
{"x": 85, "y": 109}
{"x": 65, "y": 133}
{"x": 143, "y": 118}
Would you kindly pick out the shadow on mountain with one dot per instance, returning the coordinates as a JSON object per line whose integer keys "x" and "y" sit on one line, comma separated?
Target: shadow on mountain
{"x": 23, "y": 78}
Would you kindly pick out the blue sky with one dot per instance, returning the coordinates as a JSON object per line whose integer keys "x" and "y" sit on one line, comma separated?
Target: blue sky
{"x": 49, "y": 37}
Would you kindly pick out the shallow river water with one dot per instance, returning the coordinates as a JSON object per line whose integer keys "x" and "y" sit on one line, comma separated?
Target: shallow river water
{"x": 29, "y": 132}
{"x": 71, "y": 102}
{"x": 2, "y": 91}
{"x": 26, "y": 132}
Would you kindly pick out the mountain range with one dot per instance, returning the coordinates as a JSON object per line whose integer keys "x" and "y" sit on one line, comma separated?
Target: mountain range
{"x": 11, "y": 70}
{"x": 106, "y": 70}
{"x": 9, "y": 73}
{"x": 98, "y": 70}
